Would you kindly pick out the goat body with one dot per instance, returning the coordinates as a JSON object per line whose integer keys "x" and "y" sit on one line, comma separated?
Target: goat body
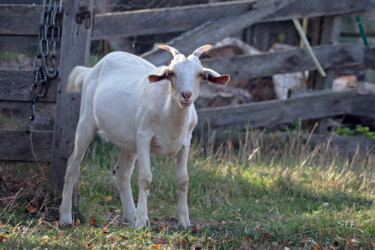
{"x": 141, "y": 109}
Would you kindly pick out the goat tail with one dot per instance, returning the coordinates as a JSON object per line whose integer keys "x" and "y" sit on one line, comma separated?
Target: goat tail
{"x": 76, "y": 77}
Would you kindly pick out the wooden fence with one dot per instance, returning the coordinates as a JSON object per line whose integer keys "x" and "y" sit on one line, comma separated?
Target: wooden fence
{"x": 207, "y": 23}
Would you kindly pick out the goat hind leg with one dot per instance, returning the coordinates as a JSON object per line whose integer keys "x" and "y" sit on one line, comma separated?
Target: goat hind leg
{"x": 84, "y": 133}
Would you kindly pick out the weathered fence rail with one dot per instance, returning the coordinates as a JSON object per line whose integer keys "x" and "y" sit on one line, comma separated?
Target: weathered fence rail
{"x": 26, "y": 145}
{"x": 15, "y": 86}
{"x": 30, "y": 141}
{"x": 315, "y": 105}
{"x": 133, "y": 23}
{"x": 294, "y": 60}
{"x": 21, "y": 19}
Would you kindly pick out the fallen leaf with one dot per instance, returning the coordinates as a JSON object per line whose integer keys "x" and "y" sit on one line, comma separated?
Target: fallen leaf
{"x": 158, "y": 241}
{"x": 1, "y": 223}
{"x": 354, "y": 245}
{"x": 111, "y": 236}
{"x": 238, "y": 212}
{"x": 106, "y": 198}
{"x": 31, "y": 209}
{"x": 77, "y": 222}
{"x": 163, "y": 226}
{"x": 267, "y": 235}
{"x": 55, "y": 222}
{"x": 196, "y": 245}
{"x": 156, "y": 246}
{"x": 90, "y": 245}
{"x": 92, "y": 220}
{"x": 105, "y": 230}
{"x": 319, "y": 247}
{"x": 247, "y": 237}
{"x": 45, "y": 238}
{"x": 123, "y": 236}
{"x": 183, "y": 242}
{"x": 195, "y": 229}
{"x": 3, "y": 238}
{"x": 333, "y": 248}
{"x": 286, "y": 243}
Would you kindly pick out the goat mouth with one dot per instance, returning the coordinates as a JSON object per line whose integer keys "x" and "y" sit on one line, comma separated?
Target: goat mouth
{"x": 185, "y": 104}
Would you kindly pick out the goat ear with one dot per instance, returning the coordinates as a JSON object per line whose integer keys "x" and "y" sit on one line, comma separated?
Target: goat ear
{"x": 162, "y": 74}
{"x": 214, "y": 77}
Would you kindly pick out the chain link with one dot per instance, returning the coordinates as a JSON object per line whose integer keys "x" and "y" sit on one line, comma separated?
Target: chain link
{"x": 45, "y": 62}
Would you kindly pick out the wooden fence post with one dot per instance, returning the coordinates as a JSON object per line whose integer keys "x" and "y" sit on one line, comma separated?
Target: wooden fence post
{"x": 75, "y": 49}
{"x": 330, "y": 35}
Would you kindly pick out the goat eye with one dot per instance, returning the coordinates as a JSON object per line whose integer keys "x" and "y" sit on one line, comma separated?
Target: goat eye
{"x": 171, "y": 73}
{"x": 202, "y": 75}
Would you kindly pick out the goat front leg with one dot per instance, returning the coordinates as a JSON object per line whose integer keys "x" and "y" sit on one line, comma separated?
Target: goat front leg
{"x": 182, "y": 182}
{"x": 122, "y": 173}
{"x": 144, "y": 181}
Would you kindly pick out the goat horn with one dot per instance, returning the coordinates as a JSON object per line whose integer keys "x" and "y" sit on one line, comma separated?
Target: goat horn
{"x": 172, "y": 50}
{"x": 198, "y": 52}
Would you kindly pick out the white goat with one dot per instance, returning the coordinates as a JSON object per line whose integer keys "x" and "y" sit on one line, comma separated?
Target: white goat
{"x": 140, "y": 118}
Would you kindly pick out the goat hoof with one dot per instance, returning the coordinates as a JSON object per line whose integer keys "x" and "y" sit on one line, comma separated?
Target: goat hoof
{"x": 65, "y": 219}
{"x": 184, "y": 222}
{"x": 140, "y": 221}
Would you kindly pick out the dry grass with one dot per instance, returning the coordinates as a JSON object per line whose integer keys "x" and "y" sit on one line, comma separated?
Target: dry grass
{"x": 258, "y": 191}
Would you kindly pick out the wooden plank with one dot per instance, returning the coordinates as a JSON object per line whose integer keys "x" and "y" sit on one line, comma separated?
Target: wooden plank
{"x": 364, "y": 105}
{"x": 153, "y": 21}
{"x": 19, "y": 44}
{"x": 40, "y": 2}
{"x": 294, "y": 60}
{"x": 19, "y": 19}
{"x": 214, "y": 31}
{"x": 308, "y": 8}
{"x": 269, "y": 113}
{"x": 346, "y": 145}
{"x": 369, "y": 58}
{"x": 26, "y": 145}
{"x": 24, "y": 19}
{"x": 15, "y": 115}
{"x": 15, "y": 86}
{"x": 75, "y": 50}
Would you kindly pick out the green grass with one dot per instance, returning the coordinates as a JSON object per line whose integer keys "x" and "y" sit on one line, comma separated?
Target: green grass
{"x": 250, "y": 192}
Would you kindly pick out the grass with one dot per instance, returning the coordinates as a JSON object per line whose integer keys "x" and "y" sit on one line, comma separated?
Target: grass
{"x": 254, "y": 192}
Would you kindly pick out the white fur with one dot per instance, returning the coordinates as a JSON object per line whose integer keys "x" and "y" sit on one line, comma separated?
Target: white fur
{"x": 140, "y": 118}
{"x": 75, "y": 79}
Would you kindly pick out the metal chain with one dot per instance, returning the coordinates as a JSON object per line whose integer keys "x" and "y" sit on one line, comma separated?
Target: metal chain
{"x": 45, "y": 62}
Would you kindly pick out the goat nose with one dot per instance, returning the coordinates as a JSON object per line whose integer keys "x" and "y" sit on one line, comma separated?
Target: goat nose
{"x": 186, "y": 95}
